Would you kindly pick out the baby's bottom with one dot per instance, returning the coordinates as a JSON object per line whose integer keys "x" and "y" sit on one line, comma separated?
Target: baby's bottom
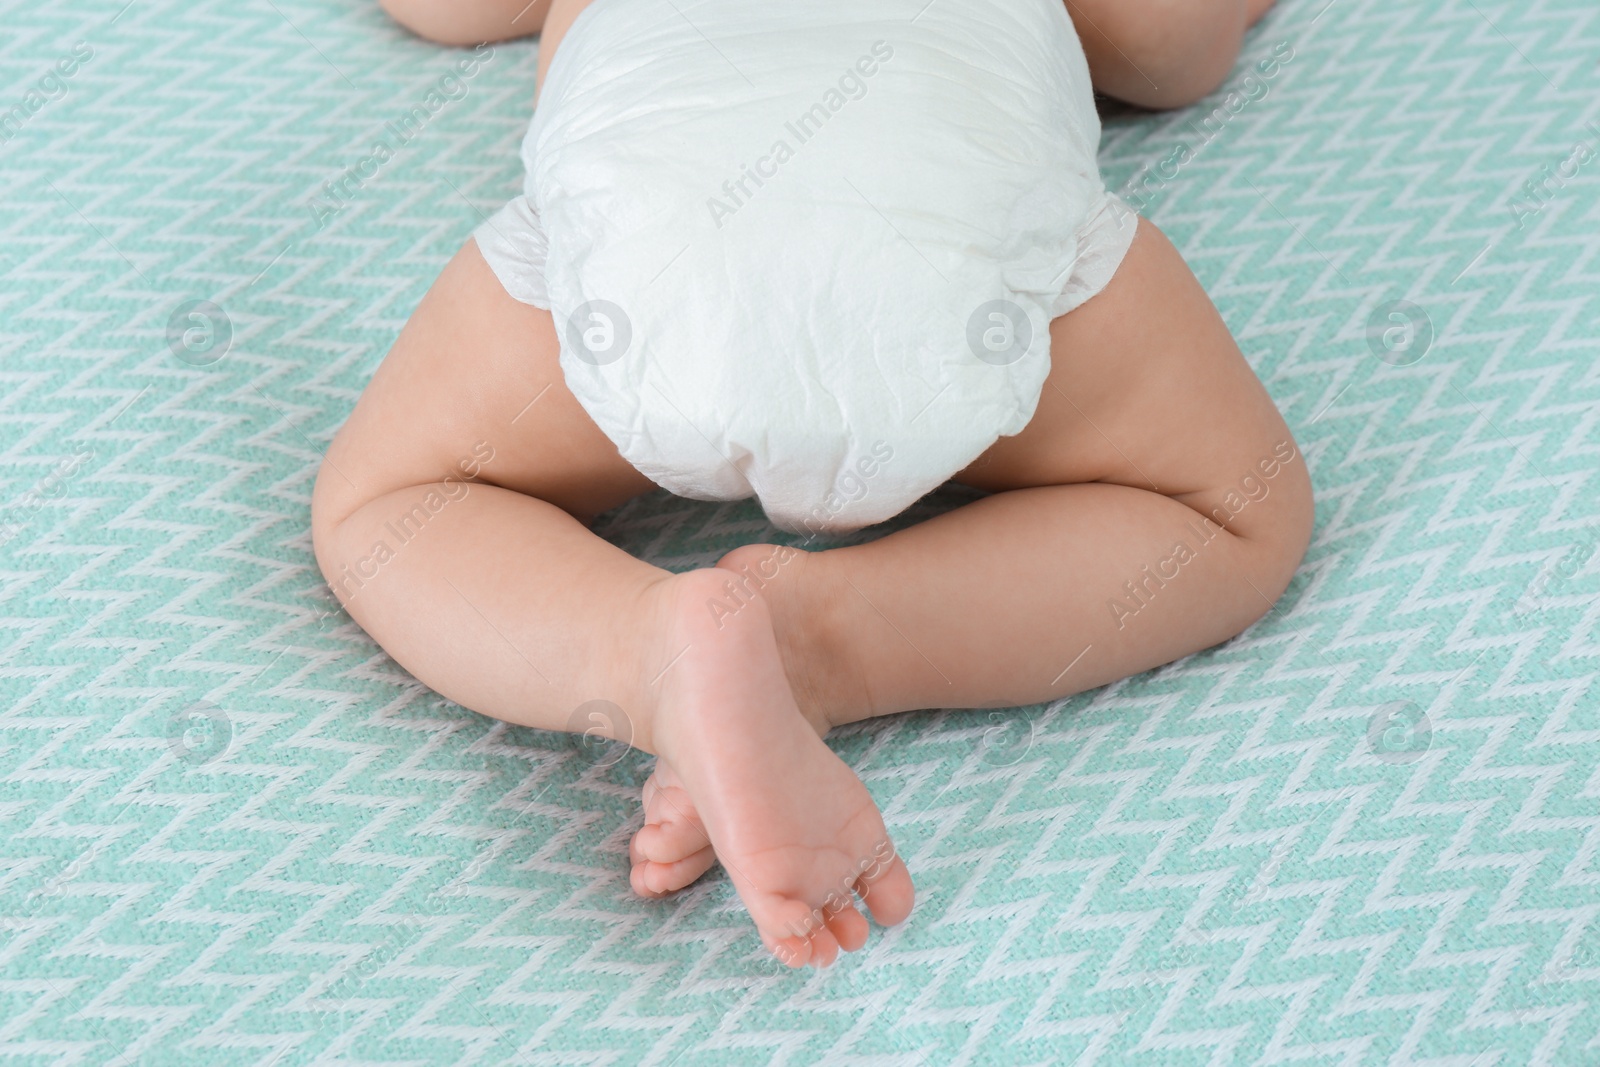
{"x": 1152, "y": 433}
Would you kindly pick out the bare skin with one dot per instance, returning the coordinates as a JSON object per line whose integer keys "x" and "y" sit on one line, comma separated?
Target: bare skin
{"x": 502, "y": 599}
{"x": 1153, "y": 53}
{"x": 1162, "y": 53}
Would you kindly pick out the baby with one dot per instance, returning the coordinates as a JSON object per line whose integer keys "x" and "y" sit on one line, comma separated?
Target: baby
{"x": 1146, "y": 499}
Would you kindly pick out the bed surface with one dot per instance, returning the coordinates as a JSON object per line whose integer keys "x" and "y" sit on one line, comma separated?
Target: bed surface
{"x": 235, "y": 832}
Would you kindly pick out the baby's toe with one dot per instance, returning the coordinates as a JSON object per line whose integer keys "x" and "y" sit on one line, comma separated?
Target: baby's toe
{"x": 888, "y": 893}
{"x": 819, "y": 949}
{"x": 849, "y": 928}
{"x": 651, "y": 879}
{"x": 667, "y": 842}
{"x": 801, "y": 936}
{"x": 672, "y": 828}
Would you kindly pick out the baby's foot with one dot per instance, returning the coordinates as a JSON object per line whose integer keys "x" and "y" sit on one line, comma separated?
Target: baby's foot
{"x": 796, "y": 830}
{"x": 672, "y": 849}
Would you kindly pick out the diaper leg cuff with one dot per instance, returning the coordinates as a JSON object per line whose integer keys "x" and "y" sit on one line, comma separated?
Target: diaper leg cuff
{"x": 514, "y": 246}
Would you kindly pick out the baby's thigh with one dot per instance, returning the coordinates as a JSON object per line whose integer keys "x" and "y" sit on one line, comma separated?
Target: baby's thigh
{"x": 473, "y": 389}
{"x": 1148, "y": 389}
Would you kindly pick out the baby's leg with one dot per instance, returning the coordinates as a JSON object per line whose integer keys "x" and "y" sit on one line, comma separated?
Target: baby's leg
{"x": 468, "y": 22}
{"x": 1156, "y": 505}
{"x": 450, "y": 518}
{"x": 1152, "y": 432}
{"x": 1162, "y": 53}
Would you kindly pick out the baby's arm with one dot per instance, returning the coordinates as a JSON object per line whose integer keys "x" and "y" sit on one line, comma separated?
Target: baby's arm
{"x": 466, "y": 22}
{"x": 1162, "y": 53}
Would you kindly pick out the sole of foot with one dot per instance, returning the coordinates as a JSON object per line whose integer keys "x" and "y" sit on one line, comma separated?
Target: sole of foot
{"x": 796, "y": 830}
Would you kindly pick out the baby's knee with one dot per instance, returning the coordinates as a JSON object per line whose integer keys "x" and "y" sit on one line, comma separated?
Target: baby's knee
{"x": 1185, "y": 49}
{"x": 452, "y": 22}
{"x": 333, "y": 499}
{"x": 428, "y": 19}
{"x": 1278, "y": 542}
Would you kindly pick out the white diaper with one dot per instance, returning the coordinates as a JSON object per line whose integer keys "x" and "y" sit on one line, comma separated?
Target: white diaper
{"x": 810, "y": 252}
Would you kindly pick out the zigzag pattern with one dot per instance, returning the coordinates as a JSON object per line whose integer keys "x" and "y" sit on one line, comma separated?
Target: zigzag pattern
{"x": 1366, "y": 831}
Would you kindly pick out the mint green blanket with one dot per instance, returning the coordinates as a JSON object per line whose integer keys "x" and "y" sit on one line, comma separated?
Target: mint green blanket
{"x": 1367, "y": 831}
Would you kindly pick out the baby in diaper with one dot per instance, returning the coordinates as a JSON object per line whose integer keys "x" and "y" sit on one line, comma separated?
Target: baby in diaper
{"x": 829, "y": 257}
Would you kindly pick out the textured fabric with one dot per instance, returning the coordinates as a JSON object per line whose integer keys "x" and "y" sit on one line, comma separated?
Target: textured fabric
{"x": 235, "y": 833}
{"x": 805, "y": 252}
{"x": 514, "y": 245}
